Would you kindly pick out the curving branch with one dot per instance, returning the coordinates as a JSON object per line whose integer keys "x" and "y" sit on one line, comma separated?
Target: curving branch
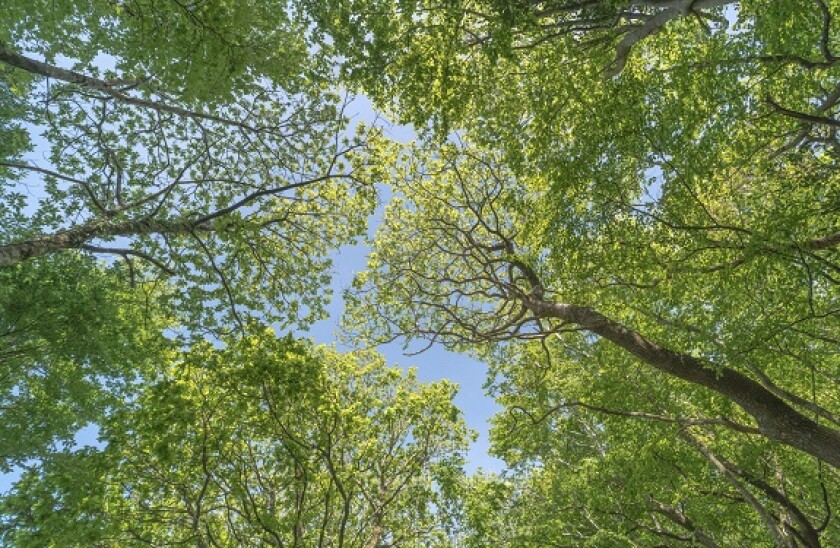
{"x": 776, "y": 419}
{"x": 807, "y": 533}
{"x": 679, "y": 517}
{"x": 671, "y": 10}
{"x": 126, "y": 253}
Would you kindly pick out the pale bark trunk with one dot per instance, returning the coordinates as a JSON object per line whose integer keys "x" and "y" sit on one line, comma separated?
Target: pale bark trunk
{"x": 76, "y": 237}
{"x": 673, "y": 9}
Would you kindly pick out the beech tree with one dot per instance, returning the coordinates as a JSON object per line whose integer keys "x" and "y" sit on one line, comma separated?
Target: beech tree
{"x": 467, "y": 278}
{"x": 640, "y": 194}
{"x": 202, "y": 52}
{"x": 628, "y": 209}
{"x": 234, "y": 194}
{"x": 572, "y": 332}
{"x": 268, "y": 440}
{"x": 642, "y": 200}
{"x": 166, "y": 167}
{"x": 593, "y": 463}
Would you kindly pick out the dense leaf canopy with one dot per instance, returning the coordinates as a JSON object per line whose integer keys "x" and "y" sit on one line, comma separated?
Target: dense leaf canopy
{"x": 629, "y": 209}
{"x": 74, "y": 340}
{"x": 268, "y": 440}
{"x": 236, "y": 200}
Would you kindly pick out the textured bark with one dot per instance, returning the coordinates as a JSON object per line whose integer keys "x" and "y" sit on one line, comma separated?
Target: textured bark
{"x": 376, "y": 535}
{"x": 77, "y": 237}
{"x": 776, "y": 419}
{"x": 828, "y": 242}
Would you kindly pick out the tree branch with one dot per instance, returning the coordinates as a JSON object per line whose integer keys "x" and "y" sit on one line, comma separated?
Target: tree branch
{"x": 40, "y": 68}
{"x": 686, "y": 421}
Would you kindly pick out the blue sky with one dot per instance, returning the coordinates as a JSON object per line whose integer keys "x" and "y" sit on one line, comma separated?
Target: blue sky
{"x": 435, "y": 363}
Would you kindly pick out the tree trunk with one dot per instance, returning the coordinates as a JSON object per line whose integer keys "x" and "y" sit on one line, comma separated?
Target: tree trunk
{"x": 775, "y": 418}
{"x": 11, "y": 254}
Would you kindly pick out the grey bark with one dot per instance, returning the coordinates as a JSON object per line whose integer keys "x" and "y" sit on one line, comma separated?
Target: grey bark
{"x": 776, "y": 419}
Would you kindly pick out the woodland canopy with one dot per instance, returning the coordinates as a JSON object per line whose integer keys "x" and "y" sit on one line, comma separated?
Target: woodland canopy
{"x": 629, "y": 209}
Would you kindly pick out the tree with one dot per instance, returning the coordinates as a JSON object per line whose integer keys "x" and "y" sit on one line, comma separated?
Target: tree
{"x": 643, "y": 190}
{"x": 630, "y": 209}
{"x": 451, "y": 61}
{"x": 266, "y": 440}
{"x": 205, "y": 161}
{"x": 487, "y": 271}
{"x": 594, "y": 465}
{"x": 200, "y": 165}
{"x": 207, "y": 52}
{"x": 476, "y": 272}
{"x": 226, "y": 198}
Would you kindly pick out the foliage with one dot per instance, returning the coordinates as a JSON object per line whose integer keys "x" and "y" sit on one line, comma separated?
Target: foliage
{"x": 206, "y": 159}
{"x": 593, "y": 464}
{"x": 75, "y": 340}
{"x": 266, "y": 440}
{"x": 628, "y": 208}
{"x": 236, "y": 199}
{"x": 477, "y": 277}
{"x": 630, "y": 211}
{"x": 207, "y": 51}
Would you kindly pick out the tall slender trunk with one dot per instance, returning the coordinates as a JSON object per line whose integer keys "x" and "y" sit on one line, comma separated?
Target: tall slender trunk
{"x": 77, "y": 236}
{"x": 775, "y": 418}
{"x": 376, "y": 534}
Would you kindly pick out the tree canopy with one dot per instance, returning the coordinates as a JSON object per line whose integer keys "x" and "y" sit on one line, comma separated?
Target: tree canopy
{"x": 268, "y": 440}
{"x": 234, "y": 200}
{"x": 74, "y": 341}
{"x": 628, "y": 209}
